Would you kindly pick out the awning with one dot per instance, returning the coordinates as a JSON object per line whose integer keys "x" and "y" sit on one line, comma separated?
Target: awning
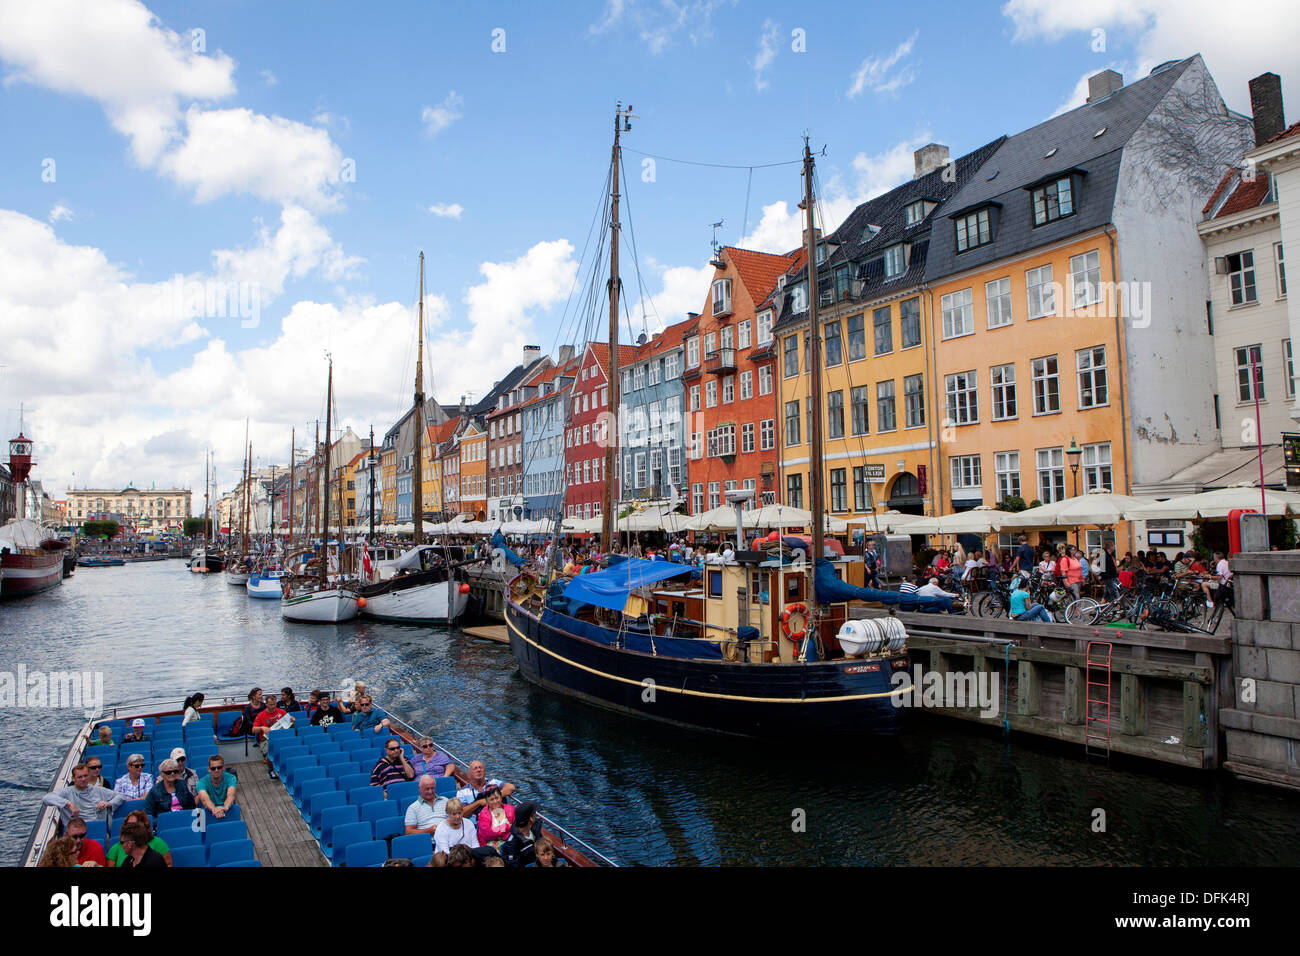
{"x": 1220, "y": 469}
{"x": 610, "y": 588}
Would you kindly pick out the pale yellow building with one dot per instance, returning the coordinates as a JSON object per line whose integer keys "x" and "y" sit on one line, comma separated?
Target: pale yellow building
{"x": 154, "y": 509}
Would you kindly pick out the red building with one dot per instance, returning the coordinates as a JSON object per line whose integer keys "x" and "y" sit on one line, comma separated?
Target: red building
{"x": 584, "y": 437}
{"x": 730, "y": 381}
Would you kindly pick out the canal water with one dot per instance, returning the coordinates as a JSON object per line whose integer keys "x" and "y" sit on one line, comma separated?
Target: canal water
{"x": 941, "y": 794}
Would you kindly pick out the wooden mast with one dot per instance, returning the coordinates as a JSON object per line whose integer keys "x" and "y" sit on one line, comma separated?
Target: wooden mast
{"x": 288, "y": 541}
{"x": 610, "y": 504}
{"x": 243, "y": 501}
{"x": 815, "y": 389}
{"x": 207, "y": 480}
{"x": 325, "y": 493}
{"x": 312, "y": 492}
{"x": 417, "y": 489}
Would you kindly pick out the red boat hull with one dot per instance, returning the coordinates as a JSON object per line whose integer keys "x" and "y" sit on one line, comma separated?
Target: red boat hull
{"x": 24, "y": 574}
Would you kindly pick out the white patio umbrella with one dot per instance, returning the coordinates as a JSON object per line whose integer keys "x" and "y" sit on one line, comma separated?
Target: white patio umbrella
{"x": 722, "y": 518}
{"x": 1220, "y": 501}
{"x": 979, "y": 520}
{"x": 889, "y": 522}
{"x": 786, "y": 516}
{"x": 1097, "y": 507}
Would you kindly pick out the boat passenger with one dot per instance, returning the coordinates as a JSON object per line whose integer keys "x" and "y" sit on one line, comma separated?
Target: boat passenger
{"x": 495, "y": 819}
{"x": 135, "y": 783}
{"x": 454, "y": 831}
{"x": 83, "y": 800}
{"x": 156, "y": 843}
{"x": 105, "y": 738}
{"x": 438, "y": 859}
{"x": 351, "y": 702}
{"x": 254, "y": 707}
{"x": 288, "y": 701}
{"x": 136, "y": 734}
{"x": 545, "y": 851}
{"x": 168, "y": 794}
{"x": 96, "y": 767}
{"x": 189, "y": 777}
{"x": 432, "y": 761}
{"x": 192, "y": 705}
{"x": 89, "y": 852}
{"x": 370, "y": 717}
{"x": 424, "y": 815}
{"x": 216, "y": 791}
{"x": 461, "y": 855}
{"x": 393, "y": 767}
{"x": 326, "y": 712}
{"x": 138, "y": 853}
{"x": 493, "y": 861}
{"x": 471, "y": 795}
{"x": 518, "y": 850}
{"x": 61, "y": 852}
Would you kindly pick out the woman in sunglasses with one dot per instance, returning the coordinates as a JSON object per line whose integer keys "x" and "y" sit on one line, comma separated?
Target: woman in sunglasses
{"x": 169, "y": 793}
{"x": 432, "y": 761}
{"x": 135, "y": 783}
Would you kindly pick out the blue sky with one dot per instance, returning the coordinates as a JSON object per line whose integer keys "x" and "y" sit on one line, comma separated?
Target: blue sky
{"x": 222, "y": 164}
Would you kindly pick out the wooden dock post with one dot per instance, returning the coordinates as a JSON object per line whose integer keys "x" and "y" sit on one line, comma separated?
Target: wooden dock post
{"x": 1132, "y": 706}
{"x": 1074, "y": 695}
{"x": 1028, "y": 689}
{"x": 1195, "y": 717}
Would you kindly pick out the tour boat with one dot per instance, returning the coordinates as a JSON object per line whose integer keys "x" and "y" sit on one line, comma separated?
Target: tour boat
{"x": 101, "y": 561}
{"x": 31, "y": 559}
{"x": 265, "y": 583}
{"x": 750, "y": 646}
{"x": 279, "y": 833}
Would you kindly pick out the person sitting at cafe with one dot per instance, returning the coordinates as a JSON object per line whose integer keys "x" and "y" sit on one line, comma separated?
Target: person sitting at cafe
{"x": 169, "y": 794}
{"x": 216, "y": 790}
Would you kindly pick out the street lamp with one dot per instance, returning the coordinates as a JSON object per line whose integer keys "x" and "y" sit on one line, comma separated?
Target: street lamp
{"x": 1074, "y": 453}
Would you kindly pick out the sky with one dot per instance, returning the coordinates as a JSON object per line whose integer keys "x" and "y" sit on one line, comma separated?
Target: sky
{"x": 199, "y": 201}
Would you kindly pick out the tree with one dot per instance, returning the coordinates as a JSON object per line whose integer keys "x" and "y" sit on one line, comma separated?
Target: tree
{"x": 101, "y": 529}
{"x": 1012, "y": 503}
{"x": 193, "y": 527}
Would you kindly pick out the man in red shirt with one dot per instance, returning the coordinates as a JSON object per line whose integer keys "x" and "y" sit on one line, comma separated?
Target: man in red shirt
{"x": 264, "y": 722}
{"x": 88, "y": 851}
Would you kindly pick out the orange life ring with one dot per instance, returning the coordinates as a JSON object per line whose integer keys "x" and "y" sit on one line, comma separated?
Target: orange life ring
{"x": 790, "y": 609}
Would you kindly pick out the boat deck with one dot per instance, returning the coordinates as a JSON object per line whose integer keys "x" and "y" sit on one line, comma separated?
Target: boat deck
{"x": 280, "y": 835}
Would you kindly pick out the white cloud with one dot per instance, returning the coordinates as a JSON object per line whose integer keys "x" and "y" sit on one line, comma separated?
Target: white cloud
{"x": 781, "y": 226}
{"x": 299, "y": 246}
{"x": 438, "y": 118}
{"x": 60, "y": 212}
{"x": 447, "y": 210}
{"x": 877, "y": 73}
{"x": 682, "y": 289}
{"x": 766, "y": 53}
{"x": 236, "y": 151}
{"x": 658, "y": 22}
{"x": 115, "y": 52}
{"x": 1235, "y": 48}
{"x": 268, "y": 77}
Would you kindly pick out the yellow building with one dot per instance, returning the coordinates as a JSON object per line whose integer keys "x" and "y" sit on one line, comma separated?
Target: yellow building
{"x": 388, "y": 476}
{"x": 147, "y": 508}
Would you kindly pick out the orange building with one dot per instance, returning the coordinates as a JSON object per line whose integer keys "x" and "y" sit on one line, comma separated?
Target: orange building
{"x": 473, "y": 470}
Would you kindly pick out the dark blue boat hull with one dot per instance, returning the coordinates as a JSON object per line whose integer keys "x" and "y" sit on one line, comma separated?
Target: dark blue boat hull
{"x": 756, "y": 700}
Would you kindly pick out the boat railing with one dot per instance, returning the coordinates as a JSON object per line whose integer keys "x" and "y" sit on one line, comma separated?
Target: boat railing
{"x": 568, "y": 836}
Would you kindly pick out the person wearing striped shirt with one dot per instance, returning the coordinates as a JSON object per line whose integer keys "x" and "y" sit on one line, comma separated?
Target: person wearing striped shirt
{"x": 393, "y": 767}
{"x": 135, "y": 783}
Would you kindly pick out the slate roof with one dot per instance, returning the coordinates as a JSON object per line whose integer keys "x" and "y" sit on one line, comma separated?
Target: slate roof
{"x": 1023, "y": 159}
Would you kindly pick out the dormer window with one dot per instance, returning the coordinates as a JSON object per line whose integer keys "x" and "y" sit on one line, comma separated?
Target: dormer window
{"x": 895, "y": 260}
{"x": 722, "y": 297}
{"x": 1053, "y": 201}
{"x": 915, "y": 212}
{"x": 780, "y": 283}
{"x": 869, "y": 232}
{"x": 975, "y": 229}
{"x": 821, "y": 252}
{"x": 799, "y": 298}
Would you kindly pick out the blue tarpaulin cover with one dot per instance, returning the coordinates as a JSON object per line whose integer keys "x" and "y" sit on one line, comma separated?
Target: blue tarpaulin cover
{"x": 610, "y": 588}
{"x": 499, "y": 541}
{"x": 831, "y": 590}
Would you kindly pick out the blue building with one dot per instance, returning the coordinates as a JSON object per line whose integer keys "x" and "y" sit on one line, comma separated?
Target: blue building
{"x": 652, "y": 446}
{"x": 543, "y": 425}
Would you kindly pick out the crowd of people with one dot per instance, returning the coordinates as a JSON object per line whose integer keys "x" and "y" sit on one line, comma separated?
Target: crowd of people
{"x": 476, "y": 827}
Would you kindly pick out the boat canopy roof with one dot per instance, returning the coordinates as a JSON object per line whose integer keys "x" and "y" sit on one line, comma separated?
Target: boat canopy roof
{"x": 21, "y": 533}
{"x": 610, "y": 588}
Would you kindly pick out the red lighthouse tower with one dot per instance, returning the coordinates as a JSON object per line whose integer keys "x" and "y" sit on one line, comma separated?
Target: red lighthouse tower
{"x": 20, "y": 466}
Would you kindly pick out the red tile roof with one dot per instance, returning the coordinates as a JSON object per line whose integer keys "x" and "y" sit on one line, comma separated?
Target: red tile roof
{"x": 626, "y": 354}
{"x": 758, "y": 270}
{"x": 1242, "y": 194}
{"x": 1292, "y": 130}
{"x": 669, "y": 338}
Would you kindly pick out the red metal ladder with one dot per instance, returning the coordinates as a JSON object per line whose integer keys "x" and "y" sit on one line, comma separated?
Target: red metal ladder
{"x": 1097, "y": 707}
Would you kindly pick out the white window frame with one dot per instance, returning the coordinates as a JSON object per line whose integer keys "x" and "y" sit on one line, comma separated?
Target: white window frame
{"x": 1288, "y": 369}
{"x": 1279, "y": 269}
{"x": 746, "y": 384}
{"x": 1085, "y": 273}
{"x": 958, "y": 307}
{"x": 693, "y": 352}
{"x": 1002, "y": 381}
{"x": 966, "y": 474}
{"x": 1096, "y": 460}
{"x": 1040, "y": 292}
{"x": 728, "y": 389}
{"x": 721, "y": 296}
{"x": 997, "y": 302}
{"x": 1006, "y": 471}
{"x": 1089, "y": 371}
{"x": 1241, "y": 359}
{"x": 742, "y": 335}
{"x": 652, "y": 373}
{"x": 764, "y": 326}
{"x": 747, "y": 438}
{"x": 765, "y": 380}
{"x": 1045, "y": 385}
{"x": 767, "y": 434}
{"x": 895, "y": 260}
{"x": 1049, "y": 463}
{"x": 711, "y": 393}
{"x": 961, "y": 390}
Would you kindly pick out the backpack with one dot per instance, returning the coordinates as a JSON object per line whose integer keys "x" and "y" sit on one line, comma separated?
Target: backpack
{"x": 237, "y": 728}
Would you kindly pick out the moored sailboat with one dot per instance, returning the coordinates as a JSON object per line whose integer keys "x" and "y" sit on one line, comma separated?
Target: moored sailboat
{"x": 742, "y": 646}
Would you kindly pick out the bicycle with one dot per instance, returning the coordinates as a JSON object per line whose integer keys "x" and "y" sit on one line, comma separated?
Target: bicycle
{"x": 1087, "y": 611}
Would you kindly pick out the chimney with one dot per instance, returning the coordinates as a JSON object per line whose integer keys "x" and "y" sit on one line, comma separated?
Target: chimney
{"x": 1266, "y": 106}
{"x": 566, "y": 355}
{"x": 1103, "y": 84}
{"x": 817, "y": 237}
{"x": 929, "y": 158}
{"x": 531, "y": 354}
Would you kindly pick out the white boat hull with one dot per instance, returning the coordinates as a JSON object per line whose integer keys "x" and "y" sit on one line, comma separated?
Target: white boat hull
{"x": 426, "y": 603}
{"x": 326, "y": 606}
{"x": 261, "y": 586}
{"x": 237, "y": 578}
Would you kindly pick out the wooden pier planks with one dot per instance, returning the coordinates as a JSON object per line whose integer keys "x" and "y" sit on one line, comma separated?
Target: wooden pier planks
{"x": 280, "y": 835}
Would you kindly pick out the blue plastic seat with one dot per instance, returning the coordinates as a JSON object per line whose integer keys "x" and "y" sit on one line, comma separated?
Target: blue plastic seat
{"x": 222, "y": 832}
{"x": 280, "y": 758}
{"x": 338, "y": 729}
{"x": 319, "y": 743}
{"x": 357, "y": 744}
{"x": 250, "y": 863}
{"x": 321, "y": 802}
{"x": 333, "y": 759}
{"x": 188, "y": 856}
{"x": 97, "y": 830}
{"x": 226, "y": 720}
{"x": 306, "y": 730}
{"x": 174, "y": 820}
{"x": 178, "y": 837}
{"x": 416, "y": 844}
{"x": 169, "y": 720}
{"x": 230, "y": 852}
{"x": 309, "y": 788}
{"x": 367, "y": 853}
{"x": 403, "y": 790}
{"x": 446, "y": 787}
{"x": 360, "y": 796}
{"x": 354, "y": 781}
{"x": 389, "y": 827}
{"x": 421, "y": 861}
{"x": 347, "y": 834}
{"x": 231, "y": 816}
{"x": 337, "y": 770}
{"x": 293, "y": 765}
{"x": 332, "y": 817}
